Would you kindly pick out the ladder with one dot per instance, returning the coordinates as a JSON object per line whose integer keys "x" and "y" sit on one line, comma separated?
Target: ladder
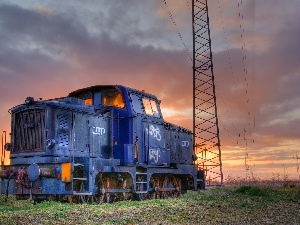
{"x": 79, "y": 180}
{"x": 141, "y": 184}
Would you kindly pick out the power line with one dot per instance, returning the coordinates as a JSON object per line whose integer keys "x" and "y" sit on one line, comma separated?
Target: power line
{"x": 177, "y": 29}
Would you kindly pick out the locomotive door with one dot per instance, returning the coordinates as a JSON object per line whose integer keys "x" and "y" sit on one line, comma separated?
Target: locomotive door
{"x": 99, "y": 135}
{"x": 153, "y": 143}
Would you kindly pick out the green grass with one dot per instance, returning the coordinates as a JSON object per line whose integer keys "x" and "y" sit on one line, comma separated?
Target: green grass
{"x": 243, "y": 205}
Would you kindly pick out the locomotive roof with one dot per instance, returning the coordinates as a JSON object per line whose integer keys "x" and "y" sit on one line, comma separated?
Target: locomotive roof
{"x": 101, "y": 87}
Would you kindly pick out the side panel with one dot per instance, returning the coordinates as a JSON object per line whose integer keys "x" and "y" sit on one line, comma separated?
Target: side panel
{"x": 185, "y": 142}
{"x": 154, "y": 146}
{"x": 63, "y": 136}
{"x": 180, "y": 143}
{"x": 80, "y": 135}
{"x": 99, "y": 141}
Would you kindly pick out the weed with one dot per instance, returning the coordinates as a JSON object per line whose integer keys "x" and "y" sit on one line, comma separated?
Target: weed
{"x": 59, "y": 215}
{"x": 253, "y": 191}
{"x": 213, "y": 206}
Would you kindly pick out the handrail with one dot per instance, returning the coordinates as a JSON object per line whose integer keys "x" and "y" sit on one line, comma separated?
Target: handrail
{"x": 3, "y": 150}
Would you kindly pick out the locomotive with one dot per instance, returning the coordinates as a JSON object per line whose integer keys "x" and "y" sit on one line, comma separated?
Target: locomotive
{"x": 101, "y": 143}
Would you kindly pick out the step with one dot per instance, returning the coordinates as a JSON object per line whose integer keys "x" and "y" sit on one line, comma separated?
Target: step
{"x": 117, "y": 190}
{"x": 78, "y": 164}
{"x": 139, "y": 173}
{"x": 141, "y": 182}
{"x": 79, "y": 178}
{"x": 141, "y": 192}
{"x": 82, "y": 193}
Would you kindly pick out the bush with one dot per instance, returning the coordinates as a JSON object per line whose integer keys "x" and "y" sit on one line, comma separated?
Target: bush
{"x": 252, "y": 191}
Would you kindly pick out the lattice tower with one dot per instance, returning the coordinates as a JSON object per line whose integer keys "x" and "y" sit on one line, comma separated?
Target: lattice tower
{"x": 205, "y": 120}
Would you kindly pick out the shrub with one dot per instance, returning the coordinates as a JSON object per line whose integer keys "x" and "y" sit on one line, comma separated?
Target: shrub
{"x": 252, "y": 191}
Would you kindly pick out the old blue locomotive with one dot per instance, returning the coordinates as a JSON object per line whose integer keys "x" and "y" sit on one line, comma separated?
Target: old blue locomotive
{"x": 101, "y": 143}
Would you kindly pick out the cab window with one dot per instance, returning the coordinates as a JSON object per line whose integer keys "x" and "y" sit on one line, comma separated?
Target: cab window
{"x": 137, "y": 104}
{"x": 154, "y": 108}
{"x": 147, "y": 106}
{"x": 112, "y": 97}
{"x": 87, "y": 97}
{"x": 151, "y": 107}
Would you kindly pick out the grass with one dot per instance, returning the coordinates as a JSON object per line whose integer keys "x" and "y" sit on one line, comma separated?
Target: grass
{"x": 227, "y": 205}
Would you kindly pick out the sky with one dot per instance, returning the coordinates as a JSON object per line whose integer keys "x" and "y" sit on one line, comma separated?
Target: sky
{"x": 50, "y": 48}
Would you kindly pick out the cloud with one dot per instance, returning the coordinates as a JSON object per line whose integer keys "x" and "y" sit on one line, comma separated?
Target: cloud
{"x": 43, "y": 52}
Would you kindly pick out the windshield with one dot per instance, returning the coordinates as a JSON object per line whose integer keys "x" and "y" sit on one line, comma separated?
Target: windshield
{"x": 151, "y": 107}
{"x": 144, "y": 105}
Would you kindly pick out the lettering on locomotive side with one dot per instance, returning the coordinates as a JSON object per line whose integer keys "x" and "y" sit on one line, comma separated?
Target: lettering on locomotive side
{"x": 154, "y": 154}
{"x": 98, "y": 130}
{"x": 185, "y": 143}
{"x": 154, "y": 131}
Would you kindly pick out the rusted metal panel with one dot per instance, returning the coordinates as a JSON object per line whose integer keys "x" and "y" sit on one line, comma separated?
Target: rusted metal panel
{"x": 29, "y": 131}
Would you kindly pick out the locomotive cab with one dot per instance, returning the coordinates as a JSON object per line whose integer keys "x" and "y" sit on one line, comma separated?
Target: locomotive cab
{"x": 129, "y": 108}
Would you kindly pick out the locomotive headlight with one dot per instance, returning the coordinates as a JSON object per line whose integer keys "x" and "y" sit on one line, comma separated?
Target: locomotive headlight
{"x": 50, "y": 143}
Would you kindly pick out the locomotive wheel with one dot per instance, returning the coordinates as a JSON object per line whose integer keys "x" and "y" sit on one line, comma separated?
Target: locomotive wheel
{"x": 82, "y": 199}
{"x": 75, "y": 199}
{"x": 165, "y": 194}
{"x": 51, "y": 197}
{"x": 70, "y": 199}
{"x": 168, "y": 186}
{"x": 107, "y": 197}
{"x": 153, "y": 195}
{"x": 142, "y": 196}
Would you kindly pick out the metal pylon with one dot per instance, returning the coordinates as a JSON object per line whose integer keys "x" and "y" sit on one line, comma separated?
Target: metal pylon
{"x": 205, "y": 121}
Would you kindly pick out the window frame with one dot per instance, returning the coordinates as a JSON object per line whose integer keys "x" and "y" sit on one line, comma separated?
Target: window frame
{"x": 149, "y": 106}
